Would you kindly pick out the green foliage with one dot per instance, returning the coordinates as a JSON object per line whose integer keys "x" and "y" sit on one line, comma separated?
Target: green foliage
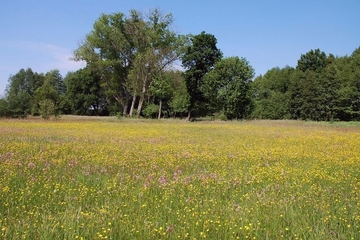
{"x": 321, "y": 88}
{"x": 56, "y": 80}
{"x": 19, "y": 104}
{"x": 227, "y": 87}
{"x": 4, "y": 108}
{"x": 313, "y": 60}
{"x": 20, "y": 90}
{"x": 129, "y": 61}
{"x": 179, "y": 100}
{"x": 47, "y": 108}
{"x": 161, "y": 86}
{"x": 84, "y": 93}
{"x": 119, "y": 116}
{"x": 198, "y": 59}
{"x": 128, "y": 51}
{"x": 91, "y": 179}
{"x": 220, "y": 116}
{"x": 46, "y": 92}
{"x": 151, "y": 111}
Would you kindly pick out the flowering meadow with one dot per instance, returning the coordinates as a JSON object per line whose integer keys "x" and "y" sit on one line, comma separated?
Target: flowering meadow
{"x": 136, "y": 179}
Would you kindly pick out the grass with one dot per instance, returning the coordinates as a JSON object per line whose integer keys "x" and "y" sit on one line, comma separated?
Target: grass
{"x": 135, "y": 179}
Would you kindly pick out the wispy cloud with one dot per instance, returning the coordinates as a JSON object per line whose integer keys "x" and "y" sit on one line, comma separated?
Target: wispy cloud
{"x": 41, "y": 56}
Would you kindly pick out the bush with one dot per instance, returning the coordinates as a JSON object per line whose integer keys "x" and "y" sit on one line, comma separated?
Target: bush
{"x": 47, "y": 108}
{"x": 151, "y": 111}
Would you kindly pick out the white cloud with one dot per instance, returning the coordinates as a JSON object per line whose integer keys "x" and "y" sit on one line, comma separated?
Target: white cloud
{"x": 61, "y": 57}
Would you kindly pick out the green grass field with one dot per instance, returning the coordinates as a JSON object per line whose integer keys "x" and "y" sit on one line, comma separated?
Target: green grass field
{"x": 100, "y": 178}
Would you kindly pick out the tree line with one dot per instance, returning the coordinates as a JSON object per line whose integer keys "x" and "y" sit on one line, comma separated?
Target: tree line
{"x": 133, "y": 69}
{"x": 321, "y": 88}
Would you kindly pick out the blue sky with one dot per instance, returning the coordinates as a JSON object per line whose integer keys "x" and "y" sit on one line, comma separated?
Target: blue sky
{"x": 42, "y": 34}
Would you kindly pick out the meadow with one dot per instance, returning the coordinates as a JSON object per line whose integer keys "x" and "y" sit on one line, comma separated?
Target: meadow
{"x": 136, "y": 179}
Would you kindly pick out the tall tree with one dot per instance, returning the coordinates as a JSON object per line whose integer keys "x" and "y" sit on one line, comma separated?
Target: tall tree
{"x": 129, "y": 51}
{"x": 108, "y": 49}
{"x": 354, "y": 79}
{"x": 198, "y": 59}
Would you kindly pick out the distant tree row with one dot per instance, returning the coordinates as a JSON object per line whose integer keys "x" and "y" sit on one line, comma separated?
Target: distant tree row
{"x": 131, "y": 70}
{"x": 321, "y": 88}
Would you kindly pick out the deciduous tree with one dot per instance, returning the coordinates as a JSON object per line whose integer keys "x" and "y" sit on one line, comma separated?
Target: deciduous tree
{"x": 129, "y": 52}
{"x": 227, "y": 87}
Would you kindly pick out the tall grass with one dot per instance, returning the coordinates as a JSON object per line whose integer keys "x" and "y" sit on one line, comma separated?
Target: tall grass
{"x": 75, "y": 179}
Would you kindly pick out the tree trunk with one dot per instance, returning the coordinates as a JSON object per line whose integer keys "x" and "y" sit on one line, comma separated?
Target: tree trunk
{"x": 188, "y": 117}
{"x": 160, "y": 106}
{"x": 141, "y": 100}
{"x": 125, "y": 109}
{"x": 132, "y": 105}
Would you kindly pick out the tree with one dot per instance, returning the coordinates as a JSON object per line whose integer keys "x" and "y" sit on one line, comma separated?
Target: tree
{"x": 313, "y": 60}
{"x": 56, "y": 80}
{"x": 271, "y": 94}
{"x": 4, "y": 108}
{"x": 20, "y": 91}
{"x": 158, "y": 48}
{"x": 46, "y": 108}
{"x": 227, "y": 87}
{"x": 129, "y": 52}
{"x": 46, "y": 99}
{"x": 84, "y": 93}
{"x": 52, "y": 89}
{"x": 313, "y": 88}
{"x": 354, "y": 82}
{"x": 180, "y": 99}
{"x": 108, "y": 50}
{"x": 160, "y": 88}
{"x": 198, "y": 59}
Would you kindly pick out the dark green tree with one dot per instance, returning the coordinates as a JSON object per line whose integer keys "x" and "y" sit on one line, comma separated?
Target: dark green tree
{"x": 314, "y": 60}
{"x": 20, "y": 91}
{"x": 167, "y": 96}
{"x": 49, "y": 98}
{"x": 271, "y": 94}
{"x": 198, "y": 59}
{"x": 46, "y": 100}
{"x": 354, "y": 82}
{"x": 313, "y": 87}
{"x": 4, "y": 108}
{"x": 180, "y": 99}
{"x": 84, "y": 93}
{"x": 56, "y": 80}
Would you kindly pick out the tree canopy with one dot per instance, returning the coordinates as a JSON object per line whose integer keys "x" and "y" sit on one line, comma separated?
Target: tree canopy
{"x": 198, "y": 59}
{"x": 129, "y": 52}
{"x": 227, "y": 87}
{"x": 132, "y": 69}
